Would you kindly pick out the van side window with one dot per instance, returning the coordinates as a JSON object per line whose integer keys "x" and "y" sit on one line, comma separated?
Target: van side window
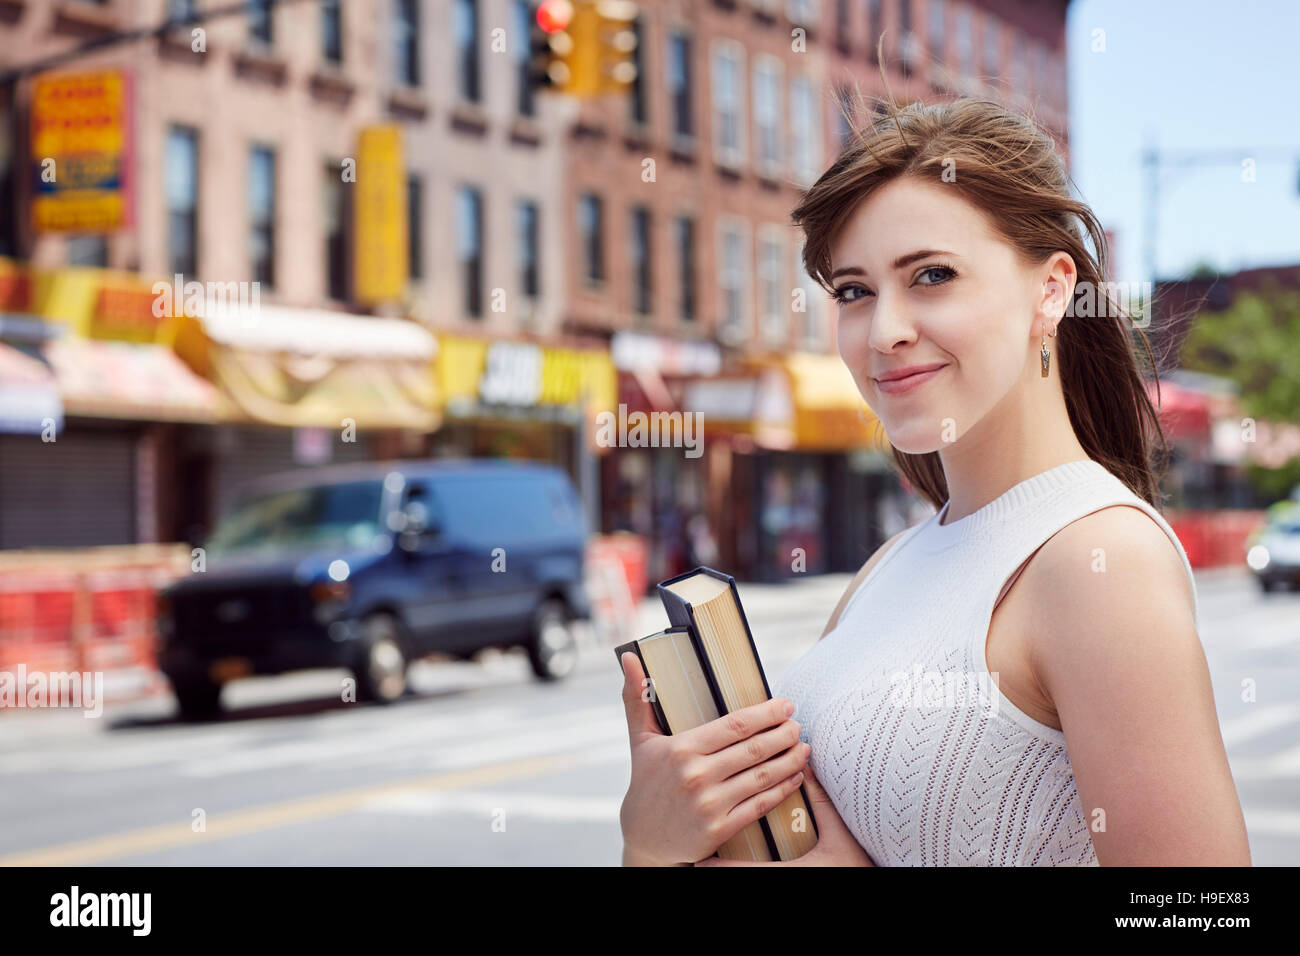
{"x": 505, "y": 507}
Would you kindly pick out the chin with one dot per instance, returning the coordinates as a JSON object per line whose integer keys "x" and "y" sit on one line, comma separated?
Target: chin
{"x": 914, "y": 438}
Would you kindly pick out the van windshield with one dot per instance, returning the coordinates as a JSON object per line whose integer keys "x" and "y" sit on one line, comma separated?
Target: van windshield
{"x": 338, "y": 516}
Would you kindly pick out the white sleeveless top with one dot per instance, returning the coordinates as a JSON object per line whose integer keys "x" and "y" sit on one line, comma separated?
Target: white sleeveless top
{"x": 927, "y": 762}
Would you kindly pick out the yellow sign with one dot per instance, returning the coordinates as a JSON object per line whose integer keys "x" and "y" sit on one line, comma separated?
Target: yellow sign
{"x": 81, "y": 152}
{"x": 524, "y": 374}
{"x": 381, "y": 227}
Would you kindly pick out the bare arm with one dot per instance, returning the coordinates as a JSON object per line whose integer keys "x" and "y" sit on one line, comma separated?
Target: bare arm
{"x": 1118, "y": 655}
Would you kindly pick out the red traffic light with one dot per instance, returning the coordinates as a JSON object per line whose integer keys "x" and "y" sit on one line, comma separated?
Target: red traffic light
{"x": 554, "y": 15}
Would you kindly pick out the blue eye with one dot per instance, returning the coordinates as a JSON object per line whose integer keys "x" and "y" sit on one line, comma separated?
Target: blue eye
{"x": 944, "y": 272}
{"x": 841, "y": 295}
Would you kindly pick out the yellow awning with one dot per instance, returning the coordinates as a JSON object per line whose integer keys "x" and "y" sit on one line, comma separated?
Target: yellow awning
{"x": 809, "y": 402}
{"x": 303, "y": 368}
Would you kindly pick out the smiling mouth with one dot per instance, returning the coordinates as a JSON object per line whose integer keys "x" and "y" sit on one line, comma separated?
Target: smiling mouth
{"x": 907, "y": 383}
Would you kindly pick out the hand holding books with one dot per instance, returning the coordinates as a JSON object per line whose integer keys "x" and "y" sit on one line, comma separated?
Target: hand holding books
{"x": 714, "y": 760}
{"x": 696, "y": 791}
{"x": 836, "y": 844}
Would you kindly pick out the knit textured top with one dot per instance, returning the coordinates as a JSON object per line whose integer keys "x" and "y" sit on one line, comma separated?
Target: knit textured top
{"x": 927, "y": 762}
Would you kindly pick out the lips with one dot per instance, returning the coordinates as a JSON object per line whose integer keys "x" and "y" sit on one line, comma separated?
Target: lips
{"x": 913, "y": 377}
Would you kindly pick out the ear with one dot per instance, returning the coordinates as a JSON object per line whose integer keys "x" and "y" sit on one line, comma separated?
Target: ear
{"x": 1058, "y": 277}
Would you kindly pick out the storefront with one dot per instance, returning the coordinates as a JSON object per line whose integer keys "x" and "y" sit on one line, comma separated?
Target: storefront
{"x": 522, "y": 400}
{"x": 799, "y": 481}
{"x": 660, "y": 493}
{"x": 100, "y": 473}
{"x": 184, "y": 395}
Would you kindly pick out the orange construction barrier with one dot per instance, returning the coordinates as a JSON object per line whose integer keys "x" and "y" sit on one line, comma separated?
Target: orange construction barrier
{"x": 85, "y": 610}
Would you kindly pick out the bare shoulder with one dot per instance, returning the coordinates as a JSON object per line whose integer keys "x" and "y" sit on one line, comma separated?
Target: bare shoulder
{"x": 859, "y": 578}
{"x": 1108, "y": 589}
{"x": 1112, "y": 642}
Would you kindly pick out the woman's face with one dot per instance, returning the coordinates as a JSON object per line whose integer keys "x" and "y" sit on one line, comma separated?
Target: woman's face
{"x": 922, "y": 280}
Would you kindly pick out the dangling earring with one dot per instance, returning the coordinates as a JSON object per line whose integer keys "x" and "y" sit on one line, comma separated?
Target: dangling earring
{"x": 1045, "y": 354}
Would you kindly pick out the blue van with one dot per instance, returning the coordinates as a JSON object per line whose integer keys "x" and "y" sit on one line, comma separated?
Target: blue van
{"x": 372, "y": 566}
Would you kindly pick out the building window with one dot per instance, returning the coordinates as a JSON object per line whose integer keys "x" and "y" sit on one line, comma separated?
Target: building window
{"x": 733, "y": 282}
{"x": 771, "y": 278}
{"x": 182, "y": 200}
{"x": 637, "y": 107}
{"x": 965, "y": 43}
{"x": 767, "y": 114}
{"x": 334, "y": 198}
{"x": 414, "y": 226}
{"x": 640, "y": 255}
{"x": 873, "y": 28}
{"x": 526, "y": 100}
{"x": 529, "y": 277}
{"x": 470, "y": 216}
{"x": 88, "y": 251}
{"x": 906, "y": 40}
{"x": 679, "y": 85}
{"x": 812, "y": 325}
{"x": 467, "y": 65}
{"x": 591, "y": 233}
{"x": 805, "y": 130}
{"x": 331, "y": 27}
{"x": 801, "y": 12}
{"x": 406, "y": 37}
{"x": 685, "y": 236}
{"x": 843, "y": 125}
{"x": 842, "y": 39}
{"x": 992, "y": 54}
{"x": 728, "y": 103}
{"x": 261, "y": 214}
{"x": 1019, "y": 71}
{"x": 936, "y": 31}
{"x": 260, "y": 21}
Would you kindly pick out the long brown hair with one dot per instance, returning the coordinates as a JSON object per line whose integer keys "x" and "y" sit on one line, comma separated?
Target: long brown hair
{"x": 1007, "y": 167}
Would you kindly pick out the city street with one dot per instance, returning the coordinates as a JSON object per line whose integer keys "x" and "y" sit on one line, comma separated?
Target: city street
{"x": 484, "y": 766}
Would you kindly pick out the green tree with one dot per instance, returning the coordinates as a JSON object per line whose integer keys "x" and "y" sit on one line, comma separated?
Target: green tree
{"x": 1255, "y": 342}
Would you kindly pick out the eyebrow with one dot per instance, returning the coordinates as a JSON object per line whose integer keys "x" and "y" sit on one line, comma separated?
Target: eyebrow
{"x": 899, "y": 263}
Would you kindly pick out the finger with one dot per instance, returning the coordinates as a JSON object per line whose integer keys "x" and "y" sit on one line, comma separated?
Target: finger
{"x": 640, "y": 714}
{"x": 756, "y": 779}
{"x": 759, "y": 805}
{"x": 754, "y": 751}
{"x": 738, "y": 725}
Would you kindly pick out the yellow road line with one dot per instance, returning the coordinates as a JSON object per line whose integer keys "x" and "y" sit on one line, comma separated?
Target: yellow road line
{"x": 168, "y": 835}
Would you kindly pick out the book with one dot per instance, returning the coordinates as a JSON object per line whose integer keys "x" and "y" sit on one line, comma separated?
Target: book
{"x": 725, "y": 674}
{"x": 681, "y": 699}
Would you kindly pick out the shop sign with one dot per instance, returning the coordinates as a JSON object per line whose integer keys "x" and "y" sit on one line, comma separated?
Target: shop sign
{"x": 526, "y": 375}
{"x": 81, "y": 152}
{"x": 637, "y": 351}
{"x": 381, "y": 247}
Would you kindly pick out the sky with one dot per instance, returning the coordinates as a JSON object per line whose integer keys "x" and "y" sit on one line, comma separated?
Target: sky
{"x": 1197, "y": 76}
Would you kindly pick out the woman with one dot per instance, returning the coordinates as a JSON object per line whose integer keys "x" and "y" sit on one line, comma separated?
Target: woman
{"x": 1017, "y": 680}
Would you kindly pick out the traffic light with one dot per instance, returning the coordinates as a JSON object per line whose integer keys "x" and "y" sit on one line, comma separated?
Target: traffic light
{"x": 563, "y": 50}
{"x": 549, "y": 44}
{"x": 583, "y": 47}
{"x": 617, "y": 41}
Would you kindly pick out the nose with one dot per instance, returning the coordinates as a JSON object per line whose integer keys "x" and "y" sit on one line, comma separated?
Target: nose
{"x": 891, "y": 326}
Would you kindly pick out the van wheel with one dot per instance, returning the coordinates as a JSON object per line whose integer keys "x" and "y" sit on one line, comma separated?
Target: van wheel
{"x": 381, "y": 670}
{"x": 553, "y": 648}
{"x": 198, "y": 699}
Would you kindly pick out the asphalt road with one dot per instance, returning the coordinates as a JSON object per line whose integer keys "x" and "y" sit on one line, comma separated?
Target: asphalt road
{"x": 485, "y": 766}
